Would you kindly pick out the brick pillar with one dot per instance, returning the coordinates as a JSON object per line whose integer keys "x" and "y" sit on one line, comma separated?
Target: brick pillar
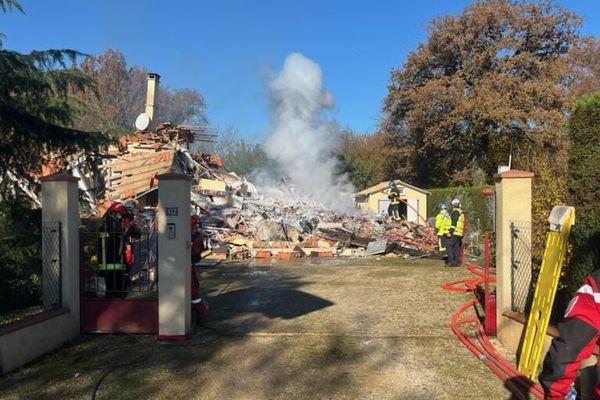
{"x": 513, "y": 203}
{"x": 60, "y": 203}
{"x": 174, "y": 257}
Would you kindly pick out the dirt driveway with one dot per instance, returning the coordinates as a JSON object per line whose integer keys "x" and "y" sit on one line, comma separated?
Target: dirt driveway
{"x": 344, "y": 329}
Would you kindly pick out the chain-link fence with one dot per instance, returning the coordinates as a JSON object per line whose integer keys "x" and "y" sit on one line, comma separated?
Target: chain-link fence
{"x": 523, "y": 271}
{"x": 32, "y": 273}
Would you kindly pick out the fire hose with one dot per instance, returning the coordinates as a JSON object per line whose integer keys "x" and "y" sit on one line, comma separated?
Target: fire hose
{"x": 480, "y": 345}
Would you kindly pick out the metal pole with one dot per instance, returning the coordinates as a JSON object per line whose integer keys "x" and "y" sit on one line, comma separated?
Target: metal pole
{"x": 513, "y": 232}
{"x": 486, "y": 264}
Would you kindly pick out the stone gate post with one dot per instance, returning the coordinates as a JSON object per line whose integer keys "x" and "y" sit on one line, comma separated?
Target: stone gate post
{"x": 60, "y": 203}
{"x": 174, "y": 257}
{"x": 513, "y": 203}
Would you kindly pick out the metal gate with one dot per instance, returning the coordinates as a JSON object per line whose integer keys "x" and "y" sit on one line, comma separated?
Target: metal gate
{"x": 119, "y": 278}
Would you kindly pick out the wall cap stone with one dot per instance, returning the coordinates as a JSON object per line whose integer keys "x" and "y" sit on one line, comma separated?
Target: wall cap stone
{"x": 513, "y": 174}
{"x": 32, "y": 320}
{"x": 60, "y": 176}
{"x": 173, "y": 176}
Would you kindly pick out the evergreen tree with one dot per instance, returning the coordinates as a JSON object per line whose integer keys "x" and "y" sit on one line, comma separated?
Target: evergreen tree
{"x": 36, "y": 111}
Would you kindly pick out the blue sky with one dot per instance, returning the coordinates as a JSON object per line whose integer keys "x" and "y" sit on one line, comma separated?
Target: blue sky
{"x": 228, "y": 49}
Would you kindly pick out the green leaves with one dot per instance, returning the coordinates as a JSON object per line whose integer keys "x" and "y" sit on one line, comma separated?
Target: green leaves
{"x": 36, "y": 111}
{"x": 20, "y": 255}
{"x": 362, "y": 158}
{"x": 584, "y": 168}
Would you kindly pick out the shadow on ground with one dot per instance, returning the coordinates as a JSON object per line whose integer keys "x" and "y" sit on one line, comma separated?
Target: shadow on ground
{"x": 286, "y": 332}
{"x": 220, "y": 360}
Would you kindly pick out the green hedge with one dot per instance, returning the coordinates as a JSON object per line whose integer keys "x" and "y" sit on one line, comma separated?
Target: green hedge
{"x": 584, "y": 257}
{"x": 584, "y": 191}
{"x": 477, "y": 207}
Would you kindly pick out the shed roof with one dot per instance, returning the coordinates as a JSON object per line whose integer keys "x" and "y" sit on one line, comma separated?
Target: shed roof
{"x": 384, "y": 185}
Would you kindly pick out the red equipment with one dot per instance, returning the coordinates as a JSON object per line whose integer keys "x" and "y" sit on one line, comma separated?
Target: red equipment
{"x": 489, "y": 295}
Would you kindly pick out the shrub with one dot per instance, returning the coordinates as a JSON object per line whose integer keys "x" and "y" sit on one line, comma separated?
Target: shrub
{"x": 585, "y": 254}
{"x": 477, "y": 208}
{"x": 20, "y": 256}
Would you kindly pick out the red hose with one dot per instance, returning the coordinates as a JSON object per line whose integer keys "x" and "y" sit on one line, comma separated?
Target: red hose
{"x": 473, "y": 347}
{"x": 493, "y": 355}
{"x": 481, "y": 347}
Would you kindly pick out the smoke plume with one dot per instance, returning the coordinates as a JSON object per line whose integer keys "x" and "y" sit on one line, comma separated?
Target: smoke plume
{"x": 302, "y": 140}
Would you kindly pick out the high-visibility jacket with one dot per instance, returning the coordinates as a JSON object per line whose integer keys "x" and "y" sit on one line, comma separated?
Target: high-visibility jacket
{"x": 394, "y": 196}
{"x": 442, "y": 223}
{"x": 457, "y": 225}
{"x": 578, "y": 334}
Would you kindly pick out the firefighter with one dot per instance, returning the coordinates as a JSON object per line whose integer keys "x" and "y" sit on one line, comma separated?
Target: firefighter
{"x": 116, "y": 244}
{"x": 198, "y": 304}
{"x": 578, "y": 333}
{"x": 394, "y": 197}
{"x": 442, "y": 225}
{"x": 454, "y": 236}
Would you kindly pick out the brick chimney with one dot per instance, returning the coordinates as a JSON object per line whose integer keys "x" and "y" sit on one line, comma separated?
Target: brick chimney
{"x": 153, "y": 80}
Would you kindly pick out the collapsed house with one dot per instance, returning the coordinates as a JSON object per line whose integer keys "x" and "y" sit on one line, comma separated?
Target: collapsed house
{"x": 238, "y": 222}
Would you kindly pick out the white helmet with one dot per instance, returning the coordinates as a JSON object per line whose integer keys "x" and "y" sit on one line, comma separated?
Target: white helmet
{"x": 455, "y": 202}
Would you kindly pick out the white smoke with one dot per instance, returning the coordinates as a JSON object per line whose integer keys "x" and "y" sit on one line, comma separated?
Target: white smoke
{"x": 302, "y": 140}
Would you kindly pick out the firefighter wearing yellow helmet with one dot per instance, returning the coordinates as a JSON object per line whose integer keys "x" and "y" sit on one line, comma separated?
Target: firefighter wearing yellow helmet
{"x": 454, "y": 236}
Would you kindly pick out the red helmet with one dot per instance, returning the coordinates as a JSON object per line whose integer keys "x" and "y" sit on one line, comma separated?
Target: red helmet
{"x": 118, "y": 208}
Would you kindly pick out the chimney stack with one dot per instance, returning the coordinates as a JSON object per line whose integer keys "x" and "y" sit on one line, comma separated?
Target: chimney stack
{"x": 153, "y": 80}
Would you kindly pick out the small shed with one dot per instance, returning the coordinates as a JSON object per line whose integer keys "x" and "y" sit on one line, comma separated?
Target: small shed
{"x": 413, "y": 200}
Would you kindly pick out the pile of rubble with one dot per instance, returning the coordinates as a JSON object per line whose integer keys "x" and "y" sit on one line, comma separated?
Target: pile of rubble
{"x": 238, "y": 222}
{"x": 265, "y": 227}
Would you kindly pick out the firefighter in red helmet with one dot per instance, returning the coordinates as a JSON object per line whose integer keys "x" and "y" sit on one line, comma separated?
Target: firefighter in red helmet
{"x": 117, "y": 234}
{"x": 198, "y": 303}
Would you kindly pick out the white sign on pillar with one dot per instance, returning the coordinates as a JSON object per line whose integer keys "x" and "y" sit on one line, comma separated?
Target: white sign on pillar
{"x": 174, "y": 257}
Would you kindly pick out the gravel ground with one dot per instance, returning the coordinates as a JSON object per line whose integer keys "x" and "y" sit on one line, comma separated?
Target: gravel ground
{"x": 335, "y": 329}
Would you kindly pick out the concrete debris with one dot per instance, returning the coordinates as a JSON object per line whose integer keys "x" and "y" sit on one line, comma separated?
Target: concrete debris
{"x": 262, "y": 227}
{"x": 377, "y": 247}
